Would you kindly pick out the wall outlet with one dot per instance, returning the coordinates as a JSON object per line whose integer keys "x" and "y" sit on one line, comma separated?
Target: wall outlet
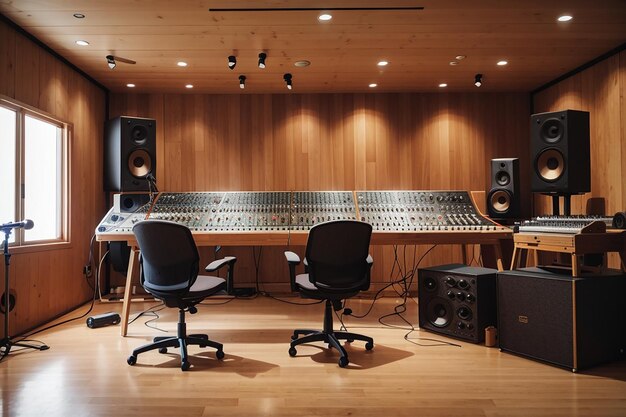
{"x": 87, "y": 270}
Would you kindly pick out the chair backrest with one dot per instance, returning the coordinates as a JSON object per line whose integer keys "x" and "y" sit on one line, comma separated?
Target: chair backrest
{"x": 169, "y": 257}
{"x": 336, "y": 255}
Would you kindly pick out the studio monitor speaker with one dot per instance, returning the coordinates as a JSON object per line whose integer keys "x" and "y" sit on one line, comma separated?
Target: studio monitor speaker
{"x": 457, "y": 300}
{"x": 559, "y": 149}
{"x": 570, "y": 322}
{"x": 129, "y": 153}
{"x": 503, "y": 199}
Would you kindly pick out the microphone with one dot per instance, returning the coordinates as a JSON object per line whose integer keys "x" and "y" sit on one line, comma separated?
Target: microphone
{"x": 26, "y": 224}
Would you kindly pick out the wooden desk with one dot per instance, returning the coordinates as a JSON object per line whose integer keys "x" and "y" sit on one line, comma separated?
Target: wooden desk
{"x": 298, "y": 238}
{"x": 574, "y": 244}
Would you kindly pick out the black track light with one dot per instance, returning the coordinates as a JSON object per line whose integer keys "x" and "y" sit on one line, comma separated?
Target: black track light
{"x": 478, "y": 80}
{"x": 242, "y": 81}
{"x": 287, "y": 77}
{"x": 111, "y": 61}
{"x": 262, "y": 57}
{"x": 232, "y": 62}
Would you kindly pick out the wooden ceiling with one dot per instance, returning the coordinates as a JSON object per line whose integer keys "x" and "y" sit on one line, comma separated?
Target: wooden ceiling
{"x": 418, "y": 43}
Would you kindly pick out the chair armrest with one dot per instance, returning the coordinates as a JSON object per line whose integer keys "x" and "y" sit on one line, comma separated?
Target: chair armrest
{"x": 369, "y": 260}
{"x": 293, "y": 260}
{"x": 219, "y": 263}
{"x": 230, "y": 274}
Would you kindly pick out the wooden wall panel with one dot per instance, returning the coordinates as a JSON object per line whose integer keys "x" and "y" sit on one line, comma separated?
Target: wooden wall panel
{"x": 49, "y": 283}
{"x": 599, "y": 90}
{"x": 288, "y": 142}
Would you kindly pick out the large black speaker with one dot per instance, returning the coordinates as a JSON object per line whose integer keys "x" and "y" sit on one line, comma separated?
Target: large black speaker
{"x": 570, "y": 322}
{"x": 457, "y": 300}
{"x": 129, "y": 153}
{"x": 559, "y": 150}
{"x": 503, "y": 199}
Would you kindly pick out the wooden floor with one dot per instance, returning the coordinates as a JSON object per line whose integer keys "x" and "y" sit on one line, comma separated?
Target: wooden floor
{"x": 84, "y": 373}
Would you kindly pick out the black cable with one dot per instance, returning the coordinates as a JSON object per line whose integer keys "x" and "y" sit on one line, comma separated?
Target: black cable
{"x": 146, "y": 311}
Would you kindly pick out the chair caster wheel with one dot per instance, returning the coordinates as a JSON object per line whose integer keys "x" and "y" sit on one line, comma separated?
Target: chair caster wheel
{"x": 369, "y": 346}
{"x": 343, "y": 362}
{"x": 162, "y": 350}
{"x": 219, "y": 354}
{"x": 294, "y": 337}
{"x": 185, "y": 365}
{"x": 292, "y": 352}
{"x": 132, "y": 359}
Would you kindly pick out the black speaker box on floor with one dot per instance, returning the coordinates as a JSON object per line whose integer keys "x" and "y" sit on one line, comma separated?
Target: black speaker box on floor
{"x": 552, "y": 317}
{"x": 129, "y": 153}
{"x": 457, "y": 300}
{"x": 559, "y": 151}
{"x": 503, "y": 199}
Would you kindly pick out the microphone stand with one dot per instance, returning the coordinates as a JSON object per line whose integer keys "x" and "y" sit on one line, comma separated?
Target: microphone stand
{"x": 6, "y": 344}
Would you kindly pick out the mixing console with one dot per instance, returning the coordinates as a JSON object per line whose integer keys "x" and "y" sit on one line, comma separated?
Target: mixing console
{"x": 310, "y": 208}
{"x": 191, "y": 209}
{"x": 420, "y": 211}
{"x": 252, "y": 211}
{"x": 397, "y": 211}
{"x": 562, "y": 224}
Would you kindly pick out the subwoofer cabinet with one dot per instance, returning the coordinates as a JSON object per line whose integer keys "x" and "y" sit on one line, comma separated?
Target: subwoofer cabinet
{"x": 570, "y": 322}
{"x": 457, "y": 300}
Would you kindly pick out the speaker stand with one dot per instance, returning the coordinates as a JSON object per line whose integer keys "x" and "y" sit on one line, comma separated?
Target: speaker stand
{"x": 567, "y": 204}
{"x": 7, "y": 343}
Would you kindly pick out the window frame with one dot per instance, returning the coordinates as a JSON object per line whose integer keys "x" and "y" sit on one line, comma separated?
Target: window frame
{"x": 64, "y": 240}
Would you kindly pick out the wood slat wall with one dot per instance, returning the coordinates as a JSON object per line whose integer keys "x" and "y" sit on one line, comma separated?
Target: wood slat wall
{"x": 600, "y": 90}
{"x": 332, "y": 142}
{"x": 48, "y": 283}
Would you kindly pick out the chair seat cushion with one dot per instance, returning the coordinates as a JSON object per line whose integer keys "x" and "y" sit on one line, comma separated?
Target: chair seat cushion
{"x": 206, "y": 285}
{"x": 307, "y": 288}
{"x": 302, "y": 280}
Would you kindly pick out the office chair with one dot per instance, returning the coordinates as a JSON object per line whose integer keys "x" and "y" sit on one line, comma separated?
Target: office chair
{"x": 168, "y": 265}
{"x": 337, "y": 266}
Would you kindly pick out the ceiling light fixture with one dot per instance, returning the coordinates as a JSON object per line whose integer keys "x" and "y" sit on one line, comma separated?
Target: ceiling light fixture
{"x": 324, "y": 17}
{"x": 189, "y": 86}
{"x": 443, "y": 85}
{"x": 453, "y": 63}
{"x": 181, "y": 63}
{"x": 262, "y": 57}
{"x": 564, "y": 18}
{"x": 373, "y": 85}
{"x": 111, "y": 61}
{"x": 242, "y": 81}
{"x": 232, "y": 62}
{"x": 478, "y": 80}
{"x": 130, "y": 85}
{"x": 302, "y": 63}
{"x": 287, "y": 77}
{"x": 502, "y": 63}
{"x": 460, "y": 57}
{"x": 82, "y": 42}
{"x": 79, "y": 15}
{"x": 383, "y": 63}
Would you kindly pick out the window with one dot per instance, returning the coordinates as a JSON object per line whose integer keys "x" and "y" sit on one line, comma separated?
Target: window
{"x": 33, "y": 174}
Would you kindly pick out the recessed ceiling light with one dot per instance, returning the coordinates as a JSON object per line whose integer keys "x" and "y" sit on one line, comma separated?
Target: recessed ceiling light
{"x": 130, "y": 85}
{"x": 564, "y": 18}
{"x": 302, "y": 63}
{"x": 79, "y": 15}
{"x": 443, "y": 85}
{"x": 189, "y": 86}
{"x": 82, "y": 43}
{"x": 383, "y": 63}
{"x": 181, "y": 63}
{"x": 502, "y": 63}
{"x": 373, "y": 85}
{"x": 460, "y": 57}
{"x": 324, "y": 17}
{"x": 454, "y": 63}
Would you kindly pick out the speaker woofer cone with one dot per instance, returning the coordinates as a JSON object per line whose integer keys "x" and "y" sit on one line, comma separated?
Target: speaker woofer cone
{"x": 550, "y": 165}
{"x": 500, "y": 201}
{"x": 552, "y": 130}
{"x": 439, "y": 312}
{"x": 139, "y": 163}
